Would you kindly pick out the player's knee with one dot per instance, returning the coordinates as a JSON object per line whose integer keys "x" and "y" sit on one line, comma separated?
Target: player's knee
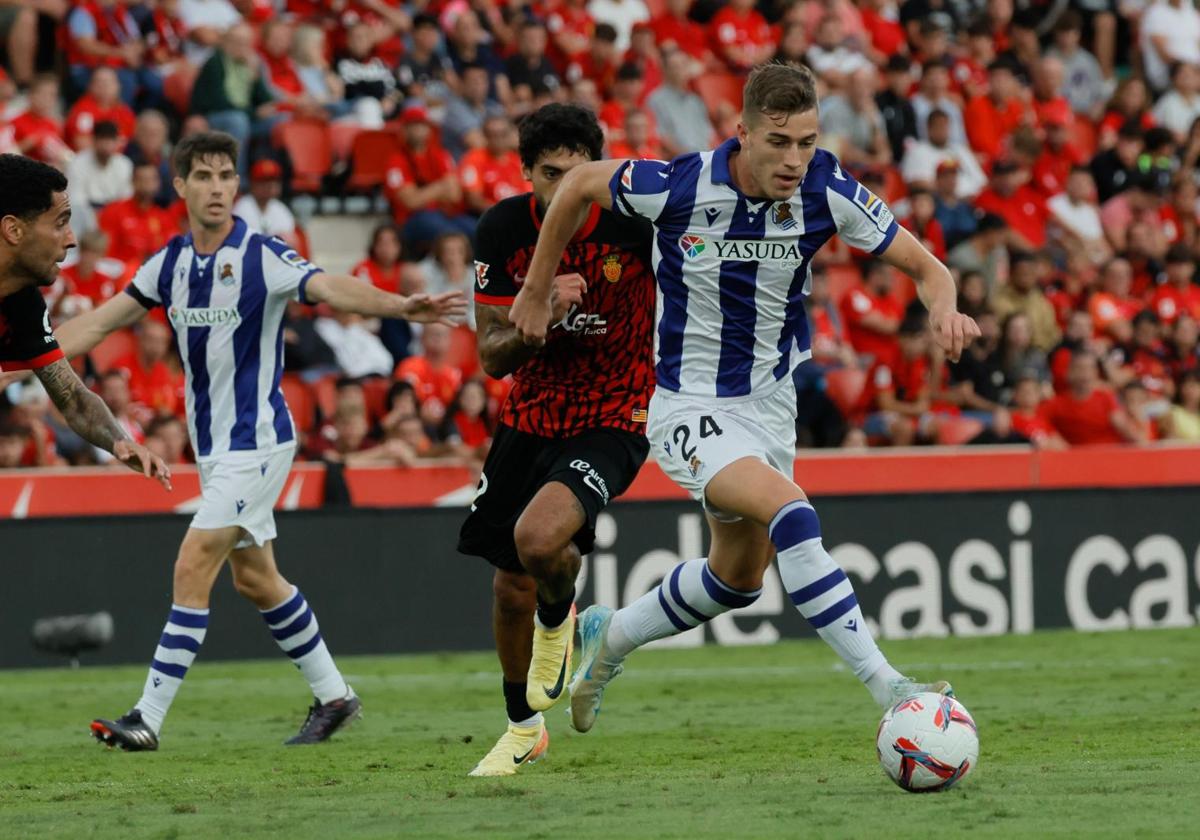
{"x": 542, "y": 550}
{"x": 250, "y": 584}
{"x": 515, "y": 594}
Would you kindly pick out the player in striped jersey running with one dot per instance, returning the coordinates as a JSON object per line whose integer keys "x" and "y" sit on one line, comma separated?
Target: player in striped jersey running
{"x": 225, "y": 289}
{"x": 735, "y": 232}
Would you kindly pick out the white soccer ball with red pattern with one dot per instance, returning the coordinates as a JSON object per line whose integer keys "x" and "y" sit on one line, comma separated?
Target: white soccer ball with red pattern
{"x": 927, "y": 742}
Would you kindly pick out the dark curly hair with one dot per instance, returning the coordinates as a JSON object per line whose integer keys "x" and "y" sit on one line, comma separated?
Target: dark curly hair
{"x": 27, "y": 187}
{"x": 556, "y": 126}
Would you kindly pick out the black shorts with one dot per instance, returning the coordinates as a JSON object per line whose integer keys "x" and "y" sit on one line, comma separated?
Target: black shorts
{"x": 598, "y": 465}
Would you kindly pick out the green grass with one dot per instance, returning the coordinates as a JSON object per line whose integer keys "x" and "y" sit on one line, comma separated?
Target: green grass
{"x": 1081, "y": 735}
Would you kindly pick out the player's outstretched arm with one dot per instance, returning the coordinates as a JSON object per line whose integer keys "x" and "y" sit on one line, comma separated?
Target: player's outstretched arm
{"x": 83, "y": 332}
{"x": 87, "y": 414}
{"x": 350, "y": 294}
{"x": 581, "y": 187}
{"x": 952, "y": 330}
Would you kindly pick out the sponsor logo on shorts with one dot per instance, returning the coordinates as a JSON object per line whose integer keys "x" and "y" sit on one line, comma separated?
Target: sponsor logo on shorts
{"x": 592, "y": 478}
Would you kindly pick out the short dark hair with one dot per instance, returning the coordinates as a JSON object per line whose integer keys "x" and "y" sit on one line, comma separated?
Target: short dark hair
{"x": 203, "y": 144}
{"x": 605, "y": 32}
{"x": 779, "y": 89}
{"x": 424, "y": 19}
{"x": 106, "y": 130}
{"x": 27, "y": 187}
{"x": 557, "y": 126}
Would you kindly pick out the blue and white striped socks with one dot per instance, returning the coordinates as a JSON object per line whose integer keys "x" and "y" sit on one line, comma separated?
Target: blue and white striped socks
{"x": 687, "y": 597}
{"x": 177, "y": 649}
{"x": 294, "y": 627}
{"x": 822, "y": 592}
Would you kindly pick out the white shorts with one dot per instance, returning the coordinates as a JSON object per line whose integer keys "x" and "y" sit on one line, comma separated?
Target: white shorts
{"x": 693, "y": 439}
{"x": 241, "y": 491}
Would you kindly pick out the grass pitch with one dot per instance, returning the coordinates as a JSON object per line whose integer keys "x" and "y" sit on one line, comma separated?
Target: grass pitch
{"x": 1081, "y": 735}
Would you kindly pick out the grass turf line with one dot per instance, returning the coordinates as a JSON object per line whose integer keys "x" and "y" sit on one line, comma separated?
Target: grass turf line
{"x": 1081, "y": 735}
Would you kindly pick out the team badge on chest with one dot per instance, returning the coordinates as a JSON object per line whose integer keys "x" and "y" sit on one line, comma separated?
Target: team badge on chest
{"x": 781, "y": 215}
{"x": 612, "y": 268}
{"x": 227, "y": 278}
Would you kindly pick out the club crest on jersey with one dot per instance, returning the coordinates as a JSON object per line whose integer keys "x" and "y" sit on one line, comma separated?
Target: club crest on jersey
{"x": 781, "y": 215}
{"x": 874, "y": 207}
{"x": 695, "y": 466}
{"x": 612, "y": 268}
{"x": 226, "y": 277}
{"x": 692, "y": 245}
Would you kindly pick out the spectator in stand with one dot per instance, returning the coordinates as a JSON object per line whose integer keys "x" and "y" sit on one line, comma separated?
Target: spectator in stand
{"x": 973, "y": 297}
{"x": 280, "y": 73}
{"x": 572, "y": 30}
{"x": 1058, "y": 153}
{"x": 1183, "y": 351}
{"x": 92, "y": 279}
{"x": 1022, "y": 207}
{"x": 1077, "y": 217}
{"x": 977, "y": 378}
{"x": 1130, "y": 103}
{"x": 492, "y": 172}
{"x": 422, "y": 183}
{"x": 983, "y": 251}
{"x": 231, "y": 94}
{"x": 901, "y": 390}
{"x": 167, "y": 438}
{"x": 207, "y": 23}
{"x": 923, "y": 158}
{"x": 644, "y": 52}
{"x": 923, "y": 223}
{"x": 1018, "y": 356}
{"x": 1178, "y": 295}
{"x": 424, "y": 71}
{"x": 113, "y": 388}
{"x": 1111, "y": 307}
{"x": 818, "y": 420}
{"x": 897, "y": 111}
{"x": 358, "y": 350}
{"x": 529, "y": 66}
{"x": 599, "y": 63}
{"x": 1114, "y": 169}
{"x": 1028, "y": 421}
{"x": 1077, "y": 335}
{"x": 468, "y": 421}
{"x": 347, "y": 441}
{"x": 383, "y": 267}
{"x": 462, "y": 127}
{"x": 627, "y": 94}
{"x": 1169, "y": 31}
{"x": 740, "y": 36}
{"x": 449, "y": 267}
{"x": 15, "y": 438}
{"x": 19, "y": 38}
{"x": 1145, "y": 358}
{"x": 994, "y": 117}
{"x": 1083, "y": 81}
{"x": 1178, "y": 108}
{"x": 166, "y": 37}
{"x": 103, "y": 33}
{"x": 622, "y": 15}
{"x": 155, "y": 385}
{"x": 431, "y": 373}
{"x": 136, "y": 226}
{"x": 681, "y": 115}
{"x": 1182, "y": 420}
{"x": 100, "y": 174}
{"x": 872, "y": 315}
{"x": 851, "y": 125}
{"x": 793, "y": 45}
{"x": 881, "y": 21}
{"x": 150, "y": 146}
{"x": 832, "y": 57}
{"x": 102, "y": 102}
{"x": 369, "y": 85}
{"x": 933, "y": 92}
{"x": 1141, "y": 203}
{"x": 38, "y": 131}
{"x": 638, "y": 138}
{"x": 322, "y": 89}
{"x": 1087, "y": 414}
{"x": 1022, "y": 294}
{"x": 674, "y": 29}
{"x": 467, "y": 45}
{"x": 260, "y": 208}
{"x": 969, "y": 70}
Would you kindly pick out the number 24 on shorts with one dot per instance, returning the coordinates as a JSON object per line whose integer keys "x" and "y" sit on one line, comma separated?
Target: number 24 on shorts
{"x": 682, "y": 434}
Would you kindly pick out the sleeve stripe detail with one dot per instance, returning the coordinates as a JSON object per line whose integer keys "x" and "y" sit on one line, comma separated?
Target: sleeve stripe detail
{"x": 887, "y": 240}
{"x": 137, "y": 295}
{"x": 302, "y": 290}
{"x": 47, "y": 358}
{"x": 495, "y": 300}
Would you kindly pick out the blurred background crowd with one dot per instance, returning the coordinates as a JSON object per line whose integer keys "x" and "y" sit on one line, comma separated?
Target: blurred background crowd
{"x": 1045, "y": 150}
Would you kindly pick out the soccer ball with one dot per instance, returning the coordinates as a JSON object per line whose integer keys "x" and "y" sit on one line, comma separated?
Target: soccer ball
{"x": 927, "y": 742}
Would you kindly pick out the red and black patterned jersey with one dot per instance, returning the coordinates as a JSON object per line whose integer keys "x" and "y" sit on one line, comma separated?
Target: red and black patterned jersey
{"x": 597, "y": 366}
{"x": 26, "y": 340}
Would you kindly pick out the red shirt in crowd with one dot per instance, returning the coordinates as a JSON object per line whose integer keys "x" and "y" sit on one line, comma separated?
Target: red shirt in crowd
{"x": 583, "y": 66}
{"x": 1033, "y": 426}
{"x": 420, "y": 168}
{"x": 1083, "y": 422}
{"x": 472, "y": 432}
{"x": 439, "y": 383}
{"x": 86, "y": 112}
{"x": 165, "y": 40}
{"x": 567, "y": 19}
{"x": 731, "y": 28}
{"x": 494, "y": 177}
{"x": 685, "y": 34}
{"x": 282, "y": 73}
{"x": 157, "y": 387}
{"x": 1107, "y": 308}
{"x": 45, "y": 132}
{"x": 1052, "y": 167}
{"x": 989, "y": 126}
{"x": 1024, "y": 210}
{"x": 856, "y": 304}
{"x": 1169, "y": 302}
{"x": 107, "y": 278}
{"x": 135, "y": 232}
{"x": 887, "y": 36}
{"x": 387, "y": 279}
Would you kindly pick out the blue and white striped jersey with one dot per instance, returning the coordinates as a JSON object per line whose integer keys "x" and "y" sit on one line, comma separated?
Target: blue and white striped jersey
{"x": 226, "y": 310}
{"x": 732, "y": 272}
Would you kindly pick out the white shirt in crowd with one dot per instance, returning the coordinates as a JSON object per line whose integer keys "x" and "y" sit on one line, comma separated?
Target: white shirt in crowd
{"x": 96, "y": 184}
{"x": 921, "y": 159}
{"x": 215, "y": 14}
{"x": 621, "y": 15}
{"x": 1180, "y": 26}
{"x": 274, "y": 220}
{"x": 358, "y": 351}
{"x": 1081, "y": 219}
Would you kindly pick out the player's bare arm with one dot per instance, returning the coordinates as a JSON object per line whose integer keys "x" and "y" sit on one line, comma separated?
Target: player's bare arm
{"x": 581, "y": 187}
{"x": 87, "y": 414}
{"x": 502, "y": 350}
{"x": 80, "y": 334}
{"x": 951, "y": 329}
{"x": 350, "y": 294}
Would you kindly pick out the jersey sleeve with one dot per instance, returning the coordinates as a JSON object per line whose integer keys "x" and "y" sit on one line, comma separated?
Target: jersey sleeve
{"x": 144, "y": 286}
{"x": 26, "y": 340}
{"x": 641, "y": 188}
{"x": 493, "y": 284}
{"x": 285, "y": 271}
{"x": 862, "y": 218}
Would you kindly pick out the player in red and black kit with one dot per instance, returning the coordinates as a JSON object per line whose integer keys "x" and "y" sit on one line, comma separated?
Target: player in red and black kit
{"x": 35, "y": 235}
{"x": 571, "y": 433}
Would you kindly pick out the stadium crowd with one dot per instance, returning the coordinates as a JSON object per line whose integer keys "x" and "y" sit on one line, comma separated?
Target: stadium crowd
{"x": 1045, "y": 150}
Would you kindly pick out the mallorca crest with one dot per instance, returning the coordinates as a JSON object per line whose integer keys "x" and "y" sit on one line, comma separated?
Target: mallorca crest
{"x": 692, "y": 245}
{"x": 612, "y": 268}
{"x": 782, "y": 216}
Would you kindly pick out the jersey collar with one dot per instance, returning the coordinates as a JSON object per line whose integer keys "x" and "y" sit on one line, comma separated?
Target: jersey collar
{"x": 585, "y": 229}
{"x": 720, "y": 162}
{"x": 233, "y": 240}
